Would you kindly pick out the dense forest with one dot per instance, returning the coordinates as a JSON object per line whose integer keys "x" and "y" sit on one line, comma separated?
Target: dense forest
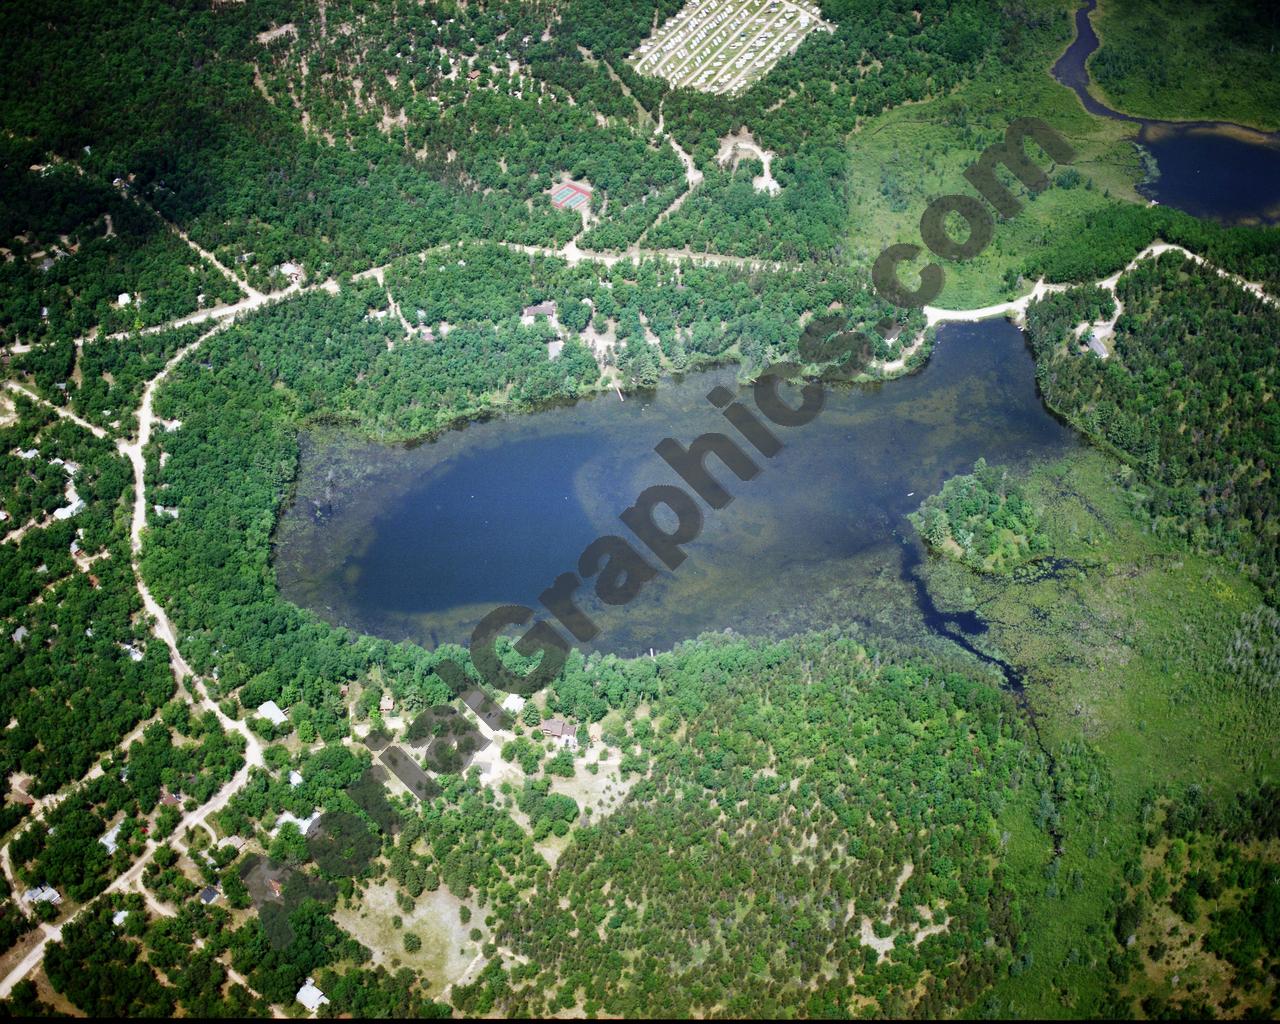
{"x": 77, "y": 671}
{"x": 983, "y": 519}
{"x": 300, "y": 121}
{"x": 1186, "y": 400}
{"x": 834, "y": 824}
{"x": 780, "y": 837}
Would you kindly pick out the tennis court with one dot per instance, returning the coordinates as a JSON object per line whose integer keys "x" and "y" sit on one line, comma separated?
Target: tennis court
{"x": 569, "y": 196}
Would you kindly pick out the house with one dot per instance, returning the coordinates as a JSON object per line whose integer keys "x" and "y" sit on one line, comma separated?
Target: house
{"x": 67, "y": 511}
{"x": 304, "y": 824}
{"x": 311, "y": 997}
{"x": 208, "y": 894}
{"x": 119, "y": 917}
{"x": 42, "y": 894}
{"x": 529, "y": 313}
{"x": 387, "y": 704}
{"x": 110, "y": 839}
{"x": 562, "y": 732}
{"x": 272, "y": 713}
{"x": 168, "y": 799}
{"x": 472, "y": 76}
{"x": 295, "y": 779}
{"x": 1097, "y": 348}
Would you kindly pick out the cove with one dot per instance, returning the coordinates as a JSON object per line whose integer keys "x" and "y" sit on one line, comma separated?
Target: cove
{"x": 1210, "y": 169}
{"x": 419, "y": 542}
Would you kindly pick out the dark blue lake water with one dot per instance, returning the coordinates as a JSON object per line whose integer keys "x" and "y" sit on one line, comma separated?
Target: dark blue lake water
{"x": 1207, "y": 168}
{"x": 420, "y": 542}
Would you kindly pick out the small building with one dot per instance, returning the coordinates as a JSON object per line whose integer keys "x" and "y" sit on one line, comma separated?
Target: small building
{"x": 20, "y": 634}
{"x": 119, "y": 917}
{"x": 277, "y": 890}
{"x": 545, "y": 308}
{"x": 311, "y": 997}
{"x": 67, "y": 511}
{"x": 209, "y": 894}
{"x": 168, "y": 799}
{"x": 111, "y": 839}
{"x": 304, "y": 824}
{"x": 272, "y": 713}
{"x": 1097, "y": 348}
{"x": 295, "y": 779}
{"x": 387, "y": 704}
{"x": 562, "y": 732}
{"x": 124, "y": 299}
{"x": 235, "y": 842}
{"x": 42, "y": 894}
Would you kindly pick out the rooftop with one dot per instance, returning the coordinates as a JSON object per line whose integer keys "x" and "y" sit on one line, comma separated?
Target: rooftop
{"x": 311, "y": 997}
{"x": 272, "y": 713}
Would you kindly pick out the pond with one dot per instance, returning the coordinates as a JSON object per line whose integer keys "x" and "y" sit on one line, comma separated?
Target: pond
{"x": 1207, "y": 168}
{"x": 419, "y": 542}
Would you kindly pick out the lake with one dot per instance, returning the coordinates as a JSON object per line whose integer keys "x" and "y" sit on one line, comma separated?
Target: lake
{"x": 419, "y": 542}
{"x": 1207, "y": 168}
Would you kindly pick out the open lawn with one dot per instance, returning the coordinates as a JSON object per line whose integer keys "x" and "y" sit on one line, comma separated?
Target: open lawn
{"x": 434, "y": 919}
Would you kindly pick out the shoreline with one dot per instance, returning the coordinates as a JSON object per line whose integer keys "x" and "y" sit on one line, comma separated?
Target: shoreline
{"x": 1098, "y": 94}
{"x": 1236, "y": 129}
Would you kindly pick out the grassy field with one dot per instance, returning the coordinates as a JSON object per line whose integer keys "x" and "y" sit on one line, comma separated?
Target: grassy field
{"x": 1123, "y": 643}
{"x": 446, "y": 946}
{"x": 1214, "y": 60}
{"x": 902, "y": 160}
